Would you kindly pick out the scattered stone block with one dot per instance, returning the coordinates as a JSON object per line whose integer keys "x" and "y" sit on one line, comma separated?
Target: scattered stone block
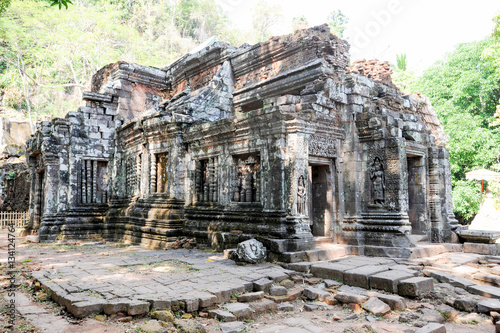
{"x": 285, "y": 307}
{"x": 432, "y": 328}
{"x": 262, "y": 306}
{"x": 330, "y": 300}
{"x": 415, "y": 286}
{"x": 329, "y": 270}
{"x": 360, "y": 276}
{"x": 278, "y": 291}
{"x": 85, "y": 308}
{"x": 250, "y": 297}
{"x": 431, "y": 316}
{"x": 343, "y": 297}
{"x": 310, "y": 307}
{"x": 456, "y": 281}
{"x": 315, "y": 293}
{"x": 115, "y": 306}
{"x": 397, "y": 303}
{"x": 484, "y": 290}
{"x": 488, "y": 305}
{"x": 465, "y": 304}
{"x": 233, "y": 327}
{"x": 376, "y": 307}
{"x": 288, "y": 284}
{"x": 221, "y": 315}
{"x": 263, "y": 284}
{"x": 136, "y": 307}
{"x": 388, "y": 280}
{"x": 240, "y": 310}
{"x": 331, "y": 283}
{"x": 448, "y": 312}
{"x": 163, "y": 315}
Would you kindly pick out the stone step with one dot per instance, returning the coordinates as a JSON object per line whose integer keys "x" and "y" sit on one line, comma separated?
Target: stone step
{"x": 322, "y": 252}
{"x": 422, "y": 250}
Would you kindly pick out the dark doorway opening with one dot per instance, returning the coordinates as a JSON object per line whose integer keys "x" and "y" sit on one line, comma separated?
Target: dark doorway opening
{"x": 416, "y": 195}
{"x": 320, "y": 203}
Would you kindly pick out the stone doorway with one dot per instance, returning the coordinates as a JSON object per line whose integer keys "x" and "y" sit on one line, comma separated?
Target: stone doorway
{"x": 320, "y": 199}
{"x": 417, "y": 194}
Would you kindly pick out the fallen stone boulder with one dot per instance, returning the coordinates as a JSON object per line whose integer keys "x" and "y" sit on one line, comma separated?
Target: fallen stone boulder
{"x": 251, "y": 251}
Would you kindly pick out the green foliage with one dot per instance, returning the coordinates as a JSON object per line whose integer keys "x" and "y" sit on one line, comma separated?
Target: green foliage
{"x": 337, "y": 22}
{"x": 401, "y": 61}
{"x": 47, "y": 57}
{"x": 4, "y": 4}
{"x": 464, "y": 90}
{"x": 404, "y": 79}
{"x": 61, "y": 3}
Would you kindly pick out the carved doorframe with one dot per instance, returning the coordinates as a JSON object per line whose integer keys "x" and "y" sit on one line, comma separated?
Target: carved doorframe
{"x": 332, "y": 225}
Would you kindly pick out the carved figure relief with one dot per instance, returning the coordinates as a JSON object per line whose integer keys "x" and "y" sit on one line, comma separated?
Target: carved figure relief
{"x": 377, "y": 177}
{"x": 246, "y": 186}
{"x": 301, "y": 197}
{"x": 161, "y": 172}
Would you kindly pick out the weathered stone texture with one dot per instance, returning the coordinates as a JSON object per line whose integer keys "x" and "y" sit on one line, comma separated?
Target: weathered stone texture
{"x": 228, "y": 144}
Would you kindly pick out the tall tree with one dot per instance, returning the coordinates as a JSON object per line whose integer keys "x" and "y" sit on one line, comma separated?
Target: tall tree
{"x": 464, "y": 89}
{"x": 337, "y": 22}
{"x": 265, "y": 15}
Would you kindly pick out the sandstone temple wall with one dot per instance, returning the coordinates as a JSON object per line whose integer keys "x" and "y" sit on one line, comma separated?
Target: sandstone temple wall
{"x": 279, "y": 141}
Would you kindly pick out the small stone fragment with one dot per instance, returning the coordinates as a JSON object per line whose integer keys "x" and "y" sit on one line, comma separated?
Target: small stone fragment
{"x": 163, "y": 315}
{"x": 310, "y": 306}
{"x": 233, "y": 327}
{"x": 432, "y": 328}
{"x": 285, "y": 307}
{"x": 288, "y": 284}
{"x": 278, "y": 291}
{"x": 376, "y": 307}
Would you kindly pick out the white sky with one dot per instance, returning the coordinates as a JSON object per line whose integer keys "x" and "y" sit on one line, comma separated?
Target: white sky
{"x": 423, "y": 29}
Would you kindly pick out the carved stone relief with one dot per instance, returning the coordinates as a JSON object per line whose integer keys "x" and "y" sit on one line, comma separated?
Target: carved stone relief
{"x": 321, "y": 146}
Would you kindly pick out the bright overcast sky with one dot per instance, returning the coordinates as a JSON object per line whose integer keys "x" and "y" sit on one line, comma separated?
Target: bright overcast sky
{"x": 423, "y": 29}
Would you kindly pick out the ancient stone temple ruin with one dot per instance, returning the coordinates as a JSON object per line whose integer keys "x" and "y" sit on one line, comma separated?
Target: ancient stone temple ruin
{"x": 281, "y": 141}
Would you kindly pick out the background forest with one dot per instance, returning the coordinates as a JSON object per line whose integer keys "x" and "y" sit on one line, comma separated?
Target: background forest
{"x": 47, "y": 58}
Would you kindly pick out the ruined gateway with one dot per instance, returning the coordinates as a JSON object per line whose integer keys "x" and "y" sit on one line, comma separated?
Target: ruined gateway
{"x": 280, "y": 141}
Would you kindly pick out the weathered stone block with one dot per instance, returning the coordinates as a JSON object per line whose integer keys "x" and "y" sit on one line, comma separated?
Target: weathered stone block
{"x": 85, "y": 308}
{"x": 115, "y": 306}
{"x": 221, "y": 315}
{"x": 465, "y": 304}
{"x": 240, "y": 310}
{"x": 329, "y": 270}
{"x": 376, "y": 307}
{"x": 262, "y": 306}
{"x": 250, "y": 297}
{"x": 360, "y": 276}
{"x": 278, "y": 291}
{"x": 415, "y": 286}
{"x": 136, "y": 307}
{"x": 262, "y": 285}
{"x": 315, "y": 293}
{"x": 388, "y": 280}
{"x": 484, "y": 290}
{"x": 397, "y": 303}
{"x": 432, "y": 328}
{"x": 343, "y": 297}
{"x": 488, "y": 305}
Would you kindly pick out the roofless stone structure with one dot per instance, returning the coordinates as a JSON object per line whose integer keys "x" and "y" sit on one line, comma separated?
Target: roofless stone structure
{"x": 280, "y": 141}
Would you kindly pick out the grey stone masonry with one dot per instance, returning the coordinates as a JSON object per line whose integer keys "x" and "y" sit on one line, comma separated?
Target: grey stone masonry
{"x": 228, "y": 144}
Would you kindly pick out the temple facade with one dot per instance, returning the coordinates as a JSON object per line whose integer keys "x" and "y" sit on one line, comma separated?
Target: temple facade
{"x": 281, "y": 141}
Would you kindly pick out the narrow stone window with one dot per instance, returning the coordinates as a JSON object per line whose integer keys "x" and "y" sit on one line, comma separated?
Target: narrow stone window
{"x": 206, "y": 180}
{"x": 246, "y": 180}
{"x": 94, "y": 182}
{"x": 161, "y": 162}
